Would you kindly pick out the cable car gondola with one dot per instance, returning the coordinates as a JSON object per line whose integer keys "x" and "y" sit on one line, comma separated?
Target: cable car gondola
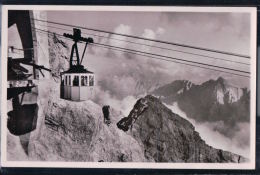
{"x": 77, "y": 82}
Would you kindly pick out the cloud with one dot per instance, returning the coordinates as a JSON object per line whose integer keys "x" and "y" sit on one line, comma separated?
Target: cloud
{"x": 123, "y": 74}
{"x": 238, "y": 144}
{"x": 160, "y": 31}
{"x": 148, "y": 33}
{"x": 131, "y": 79}
{"x": 184, "y": 22}
{"x": 119, "y": 86}
{"x": 105, "y": 98}
{"x": 121, "y": 29}
{"x": 220, "y": 31}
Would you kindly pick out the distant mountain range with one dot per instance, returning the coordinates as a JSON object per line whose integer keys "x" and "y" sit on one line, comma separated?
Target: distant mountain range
{"x": 211, "y": 101}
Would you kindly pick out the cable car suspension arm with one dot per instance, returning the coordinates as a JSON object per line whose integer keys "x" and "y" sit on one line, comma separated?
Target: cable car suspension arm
{"x": 83, "y": 52}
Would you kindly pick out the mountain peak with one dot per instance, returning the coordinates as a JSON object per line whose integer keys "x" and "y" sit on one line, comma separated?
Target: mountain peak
{"x": 221, "y": 80}
{"x": 167, "y": 137}
{"x": 174, "y": 88}
{"x": 152, "y": 98}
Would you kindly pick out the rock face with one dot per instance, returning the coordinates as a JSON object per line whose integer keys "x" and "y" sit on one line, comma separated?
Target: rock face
{"x": 75, "y": 131}
{"x": 166, "y": 137}
{"x": 212, "y": 101}
{"x": 59, "y": 52}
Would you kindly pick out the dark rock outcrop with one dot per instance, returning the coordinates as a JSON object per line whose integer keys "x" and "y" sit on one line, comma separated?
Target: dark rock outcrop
{"x": 127, "y": 122}
{"x": 167, "y": 137}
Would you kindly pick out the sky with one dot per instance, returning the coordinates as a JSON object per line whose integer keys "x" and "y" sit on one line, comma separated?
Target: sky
{"x": 121, "y": 77}
{"x": 221, "y": 31}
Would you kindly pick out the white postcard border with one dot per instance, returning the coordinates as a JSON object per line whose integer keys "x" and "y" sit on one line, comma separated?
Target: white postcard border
{"x": 6, "y": 163}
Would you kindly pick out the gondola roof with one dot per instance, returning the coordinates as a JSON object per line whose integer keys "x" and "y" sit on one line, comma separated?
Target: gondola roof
{"x": 77, "y": 69}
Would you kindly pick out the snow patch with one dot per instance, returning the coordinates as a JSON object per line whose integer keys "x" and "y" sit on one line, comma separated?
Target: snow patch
{"x": 180, "y": 91}
{"x": 220, "y": 96}
{"x": 234, "y": 94}
{"x": 188, "y": 85}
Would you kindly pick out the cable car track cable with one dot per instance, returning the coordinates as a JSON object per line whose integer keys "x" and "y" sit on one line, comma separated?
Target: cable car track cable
{"x": 149, "y": 56}
{"x": 148, "y": 39}
{"x": 158, "y": 47}
{"x": 173, "y": 58}
{"x": 130, "y": 50}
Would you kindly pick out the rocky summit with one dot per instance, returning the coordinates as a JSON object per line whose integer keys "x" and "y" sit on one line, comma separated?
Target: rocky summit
{"x": 167, "y": 137}
{"x": 75, "y": 131}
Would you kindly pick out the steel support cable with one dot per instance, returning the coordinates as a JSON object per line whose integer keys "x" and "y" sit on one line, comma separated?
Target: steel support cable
{"x": 148, "y": 45}
{"x": 147, "y": 39}
{"x": 174, "y": 58}
{"x": 151, "y": 55}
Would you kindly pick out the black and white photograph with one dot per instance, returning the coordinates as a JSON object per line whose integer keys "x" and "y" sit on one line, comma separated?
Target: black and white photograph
{"x": 128, "y": 87}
